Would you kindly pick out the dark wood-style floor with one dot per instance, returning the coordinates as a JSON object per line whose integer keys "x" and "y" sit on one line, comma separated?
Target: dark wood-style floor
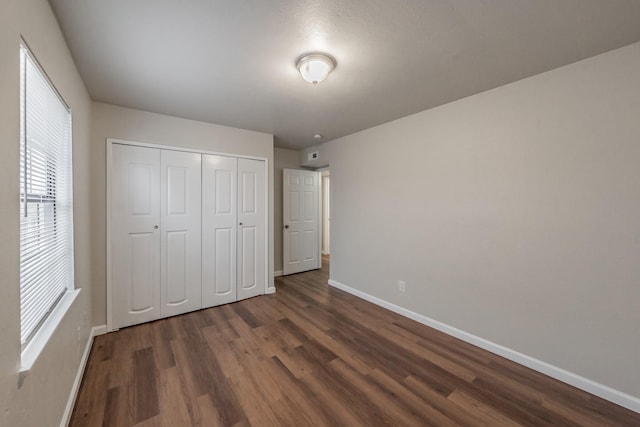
{"x": 311, "y": 355}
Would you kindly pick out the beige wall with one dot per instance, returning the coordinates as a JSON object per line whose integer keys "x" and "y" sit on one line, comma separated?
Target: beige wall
{"x": 41, "y": 399}
{"x": 513, "y": 215}
{"x": 110, "y": 121}
{"x": 283, "y": 159}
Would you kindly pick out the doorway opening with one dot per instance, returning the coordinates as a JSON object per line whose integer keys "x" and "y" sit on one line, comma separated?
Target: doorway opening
{"x": 306, "y": 220}
{"x": 326, "y": 217}
{"x": 326, "y": 212}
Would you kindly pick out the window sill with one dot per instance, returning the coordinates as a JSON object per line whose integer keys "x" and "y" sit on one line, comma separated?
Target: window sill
{"x": 41, "y": 338}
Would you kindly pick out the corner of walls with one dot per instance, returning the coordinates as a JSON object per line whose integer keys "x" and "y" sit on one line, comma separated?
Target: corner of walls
{"x": 68, "y": 411}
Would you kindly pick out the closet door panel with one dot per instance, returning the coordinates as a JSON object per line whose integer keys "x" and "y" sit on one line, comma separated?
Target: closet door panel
{"x": 181, "y": 232}
{"x": 143, "y": 279}
{"x": 224, "y": 274}
{"x": 135, "y": 237}
{"x": 251, "y": 233}
{"x": 177, "y": 276}
{"x": 219, "y": 228}
{"x": 248, "y": 261}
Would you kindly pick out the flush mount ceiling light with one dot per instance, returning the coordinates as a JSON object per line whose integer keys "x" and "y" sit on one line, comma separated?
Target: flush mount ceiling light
{"x": 315, "y": 67}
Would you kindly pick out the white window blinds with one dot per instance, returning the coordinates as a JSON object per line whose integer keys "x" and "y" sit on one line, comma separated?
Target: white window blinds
{"x": 46, "y": 212}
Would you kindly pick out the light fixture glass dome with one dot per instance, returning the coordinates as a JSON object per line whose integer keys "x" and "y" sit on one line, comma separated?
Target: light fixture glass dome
{"x": 315, "y": 67}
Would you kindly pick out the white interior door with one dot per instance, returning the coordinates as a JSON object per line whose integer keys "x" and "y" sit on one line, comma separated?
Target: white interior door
{"x": 181, "y": 232}
{"x": 135, "y": 235}
{"x": 251, "y": 228}
{"x": 301, "y": 220}
{"x": 219, "y": 229}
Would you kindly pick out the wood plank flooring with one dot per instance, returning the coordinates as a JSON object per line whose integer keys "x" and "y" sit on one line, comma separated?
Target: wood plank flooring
{"x": 312, "y": 355}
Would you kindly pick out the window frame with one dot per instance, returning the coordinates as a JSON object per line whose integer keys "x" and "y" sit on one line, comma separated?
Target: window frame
{"x": 47, "y": 323}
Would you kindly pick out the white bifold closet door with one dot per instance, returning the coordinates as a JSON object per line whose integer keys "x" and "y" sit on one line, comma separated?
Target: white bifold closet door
{"x": 156, "y": 232}
{"x": 188, "y": 231}
{"x": 180, "y": 280}
{"x": 135, "y": 235}
{"x": 233, "y": 229}
{"x": 251, "y": 228}
{"x": 219, "y": 229}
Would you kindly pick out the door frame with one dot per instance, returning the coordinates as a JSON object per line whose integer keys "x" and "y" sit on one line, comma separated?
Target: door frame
{"x": 109, "y": 154}
{"x": 326, "y": 218}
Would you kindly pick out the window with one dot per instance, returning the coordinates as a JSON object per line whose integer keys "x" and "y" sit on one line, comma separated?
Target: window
{"x": 46, "y": 208}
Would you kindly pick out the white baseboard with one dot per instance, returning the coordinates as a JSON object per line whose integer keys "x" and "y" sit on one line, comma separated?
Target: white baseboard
{"x": 277, "y": 273}
{"x": 66, "y": 416}
{"x": 98, "y": 330}
{"x": 618, "y": 397}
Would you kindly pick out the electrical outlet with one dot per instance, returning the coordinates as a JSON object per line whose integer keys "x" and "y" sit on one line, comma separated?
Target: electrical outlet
{"x": 402, "y": 285}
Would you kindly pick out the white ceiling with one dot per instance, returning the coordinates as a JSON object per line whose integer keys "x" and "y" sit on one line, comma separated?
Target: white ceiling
{"x": 232, "y": 62}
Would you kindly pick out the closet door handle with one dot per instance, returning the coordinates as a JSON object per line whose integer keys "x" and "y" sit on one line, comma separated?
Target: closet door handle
{"x": 155, "y": 227}
{"x": 286, "y": 226}
{"x": 240, "y": 223}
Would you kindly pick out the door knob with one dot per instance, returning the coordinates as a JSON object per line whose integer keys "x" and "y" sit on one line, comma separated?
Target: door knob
{"x": 240, "y": 223}
{"x": 286, "y": 226}
{"x": 155, "y": 227}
